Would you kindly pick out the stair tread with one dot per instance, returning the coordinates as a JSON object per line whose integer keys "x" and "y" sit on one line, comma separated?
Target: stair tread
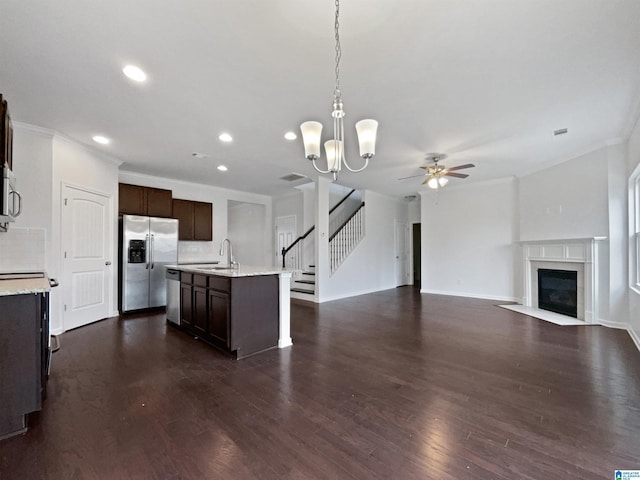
{"x": 309, "y": 273}
{"x": 302, "y": 290}
{"x": 309, "y": 282}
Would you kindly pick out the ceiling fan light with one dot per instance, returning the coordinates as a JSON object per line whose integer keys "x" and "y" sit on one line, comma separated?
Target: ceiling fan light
{"x": 333, "y": 149}
{"x": 367, "y": 130}
{"x": 442, "y": 181}
{"x": 311, "y": 132}
{"x": 432, "y": 183}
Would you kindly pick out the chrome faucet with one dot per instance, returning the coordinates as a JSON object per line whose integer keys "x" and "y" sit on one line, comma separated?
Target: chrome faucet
{"x": 230, "y": 260}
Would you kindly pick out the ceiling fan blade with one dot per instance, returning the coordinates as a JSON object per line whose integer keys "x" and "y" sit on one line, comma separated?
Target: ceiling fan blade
{"x": 460, "y": 167}
{"x": 457, "y": 175}
{"x": 414, "y": 176}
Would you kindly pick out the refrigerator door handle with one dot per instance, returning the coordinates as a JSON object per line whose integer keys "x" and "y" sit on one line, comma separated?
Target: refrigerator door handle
{"x": 146, "y": 249}
{"x": 151, "y": 251}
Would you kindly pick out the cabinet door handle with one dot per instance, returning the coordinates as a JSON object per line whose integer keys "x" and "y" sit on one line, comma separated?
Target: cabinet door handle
{"x": 107, "y": 263}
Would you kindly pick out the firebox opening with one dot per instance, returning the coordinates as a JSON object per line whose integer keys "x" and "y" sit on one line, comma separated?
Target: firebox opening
{"x": 558, "y": 291}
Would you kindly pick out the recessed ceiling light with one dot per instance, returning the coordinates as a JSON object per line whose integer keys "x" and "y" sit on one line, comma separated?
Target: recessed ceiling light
{"x": 225, "y": 137}
{"x": 134, "y": 73}
{"x": 101, "y": 140}
{"x": 290, "y": 136}
{"x": 222, "y": 168}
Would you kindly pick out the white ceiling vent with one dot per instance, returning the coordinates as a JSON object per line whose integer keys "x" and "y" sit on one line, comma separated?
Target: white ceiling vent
{"x": 292, "y": 177}
{"x": 562, "y": 131}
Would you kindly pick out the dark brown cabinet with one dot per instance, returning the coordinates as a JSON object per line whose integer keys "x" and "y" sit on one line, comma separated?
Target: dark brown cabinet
{"x": 24, "y": 358}
{"x": 195, "y": 219}
{"x": 149, "y": 201}
{"x": 6, "y": 135}
{"x": 200, "y": 320}
{"x": 186, "y": 300}
{"x": 239, "y": 315}
{"x": 219, "y": 318}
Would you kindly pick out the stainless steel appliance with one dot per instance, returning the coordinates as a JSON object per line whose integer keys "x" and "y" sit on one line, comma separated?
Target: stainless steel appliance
{"x": 173, "y": 295}
{"x": 147, "y": 244}
{"x": 10, "y": 199}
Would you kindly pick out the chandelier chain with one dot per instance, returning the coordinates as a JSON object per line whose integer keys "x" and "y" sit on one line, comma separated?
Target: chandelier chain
{"x": 338, "y": 49}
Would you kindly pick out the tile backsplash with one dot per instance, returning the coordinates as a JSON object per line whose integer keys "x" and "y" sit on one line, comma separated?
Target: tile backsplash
{"x": 197, "y": 252}
{"x": 22, "y": 250}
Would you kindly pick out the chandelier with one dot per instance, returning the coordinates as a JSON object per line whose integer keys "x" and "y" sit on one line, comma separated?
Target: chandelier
{"x": 334, "y": 149}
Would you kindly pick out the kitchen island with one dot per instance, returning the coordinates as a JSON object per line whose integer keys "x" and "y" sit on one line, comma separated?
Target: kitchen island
{"x": 242, "y": 311}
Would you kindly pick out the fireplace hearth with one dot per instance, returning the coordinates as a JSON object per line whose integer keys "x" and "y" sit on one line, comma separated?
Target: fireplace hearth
{"x": 558, "y": 291}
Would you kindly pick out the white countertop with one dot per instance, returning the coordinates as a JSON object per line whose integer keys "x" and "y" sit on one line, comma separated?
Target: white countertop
{"x": 241, "y": 271}
{"x": 24, "y": 285}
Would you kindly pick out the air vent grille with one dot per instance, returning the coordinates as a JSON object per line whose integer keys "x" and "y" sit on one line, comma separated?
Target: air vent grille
{"x": 292, "y": 177}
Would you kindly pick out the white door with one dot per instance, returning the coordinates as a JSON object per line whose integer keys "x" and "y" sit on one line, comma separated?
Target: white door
{"x": 285, "y": 235}
{"x": 402, "y": 253}
{"x": 87, "y": 250}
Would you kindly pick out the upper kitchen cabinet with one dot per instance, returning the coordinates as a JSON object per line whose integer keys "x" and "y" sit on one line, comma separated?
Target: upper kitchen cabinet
{"x": 6, "y": 135}
{"x": 137, "y": 200}
{"x": 195, "y": 219}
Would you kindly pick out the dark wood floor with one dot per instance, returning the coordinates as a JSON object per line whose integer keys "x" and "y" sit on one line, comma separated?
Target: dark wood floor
{"x": 393, "y": 385}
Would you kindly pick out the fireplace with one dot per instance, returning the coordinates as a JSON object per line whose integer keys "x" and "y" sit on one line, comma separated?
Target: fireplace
{"x": 576, "y": 256}
{"x": 558, "y": 291}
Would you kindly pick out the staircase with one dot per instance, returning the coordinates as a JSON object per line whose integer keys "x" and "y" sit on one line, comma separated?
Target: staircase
{"x": 347, "y": 234}
{"x": 303, "y": 285}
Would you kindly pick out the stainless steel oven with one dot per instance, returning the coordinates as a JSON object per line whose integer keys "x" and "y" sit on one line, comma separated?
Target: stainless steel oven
{"x": 10, "y": 199}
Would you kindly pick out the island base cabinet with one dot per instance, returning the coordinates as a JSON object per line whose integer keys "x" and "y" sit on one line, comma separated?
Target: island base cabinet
{"x": 24, "y": 335}
{"x": 239, "y": 315}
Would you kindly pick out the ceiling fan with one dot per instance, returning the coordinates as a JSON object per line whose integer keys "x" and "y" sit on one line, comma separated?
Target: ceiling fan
{"x": 436, "y": 174}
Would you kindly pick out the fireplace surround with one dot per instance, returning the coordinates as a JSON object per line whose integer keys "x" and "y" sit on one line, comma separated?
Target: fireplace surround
{"x": 579, "y": 255}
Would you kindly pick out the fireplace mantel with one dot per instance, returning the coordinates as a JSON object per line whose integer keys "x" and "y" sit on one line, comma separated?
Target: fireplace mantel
{"x": 579, "y": 254}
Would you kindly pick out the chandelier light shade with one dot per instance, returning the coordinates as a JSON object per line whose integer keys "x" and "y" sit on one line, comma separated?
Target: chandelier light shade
{"x": 334, "y": 149}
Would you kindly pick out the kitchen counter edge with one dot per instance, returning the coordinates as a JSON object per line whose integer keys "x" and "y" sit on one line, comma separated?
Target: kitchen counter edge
{"x": 20, "y": 286}
{"x": 242, "y": 271}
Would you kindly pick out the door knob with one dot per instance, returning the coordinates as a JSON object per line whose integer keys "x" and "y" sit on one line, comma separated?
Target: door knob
{"x": 107, "y": 263}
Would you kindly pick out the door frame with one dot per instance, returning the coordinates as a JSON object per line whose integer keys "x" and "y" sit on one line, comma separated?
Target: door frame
{"x": 407, "y": 248}
{"x": 110, "y": 247}
{"x": 275, "y": 234}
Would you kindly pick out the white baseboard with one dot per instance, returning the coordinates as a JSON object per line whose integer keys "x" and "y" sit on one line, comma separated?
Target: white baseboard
{"x": 355, "y": 294}
{"x": 610, "y": 324}
{"x": 634, "y": 336}
{"x": 470, "y": 295}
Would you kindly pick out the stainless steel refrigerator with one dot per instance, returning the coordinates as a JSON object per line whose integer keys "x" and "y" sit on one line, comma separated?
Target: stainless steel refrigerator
{"x": 147, "y": 244}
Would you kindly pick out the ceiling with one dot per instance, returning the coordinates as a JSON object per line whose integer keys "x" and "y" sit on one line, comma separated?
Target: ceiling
{"x": 485, "y": 81}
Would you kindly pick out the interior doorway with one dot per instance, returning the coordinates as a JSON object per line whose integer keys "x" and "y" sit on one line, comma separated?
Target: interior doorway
{"x": 285, "y": 235}
{"x": 416, "y": 244}
{"x": 87, "y": 251}
{"x": 402, "y": 253}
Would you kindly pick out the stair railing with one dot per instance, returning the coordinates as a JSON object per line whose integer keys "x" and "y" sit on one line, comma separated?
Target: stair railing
{"x": 345, "y": 239}
{"x": 295, "y": 251}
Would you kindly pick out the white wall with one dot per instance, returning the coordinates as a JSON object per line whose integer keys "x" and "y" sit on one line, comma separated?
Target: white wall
{"x": 248, "y": 233}
{"x": 218, "y": 197}
{"x": 468, "y": 235}
{"x": 43, "y": 161}
{"x": 33, "y": 166}
{"x": 371, "y": 266}
{"x": 568, "y": 200}
{"x": 75, "y": 165}
{"x": 615, "y": 263}
{"x": 633, "y": 160}
{"x": 291, "y": 204}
